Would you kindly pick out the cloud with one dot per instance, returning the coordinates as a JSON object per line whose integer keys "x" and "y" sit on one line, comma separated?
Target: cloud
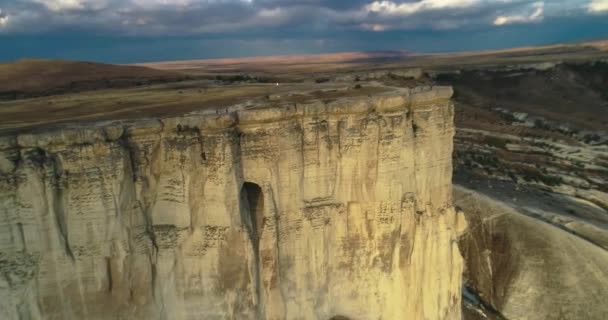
{"x": 452, "y": 14}
{"x": 3, "y": 19}
{"x": 535, "y": 16}
{"x": 61, "y": 5}
{"x": 409, "y": 8}
{"x": 597, "y": 6}
{"x": 373, "y": 27}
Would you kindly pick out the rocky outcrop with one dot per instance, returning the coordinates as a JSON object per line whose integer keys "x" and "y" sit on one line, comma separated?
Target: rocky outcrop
{"x": 298, "y": 211}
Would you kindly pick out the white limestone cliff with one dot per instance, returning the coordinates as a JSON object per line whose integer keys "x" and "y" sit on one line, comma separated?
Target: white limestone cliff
{"x": 296, "y": 211}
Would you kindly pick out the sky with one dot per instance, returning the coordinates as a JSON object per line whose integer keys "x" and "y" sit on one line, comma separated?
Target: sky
{"x": 127, "y": 31}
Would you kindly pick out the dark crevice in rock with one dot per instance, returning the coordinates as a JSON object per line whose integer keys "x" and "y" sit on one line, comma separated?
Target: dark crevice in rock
{"x": 109, "y": 274}
{"x": 485, "y": 310}
{"x": 252, "y": 214}
{"x": 124, "y": 142}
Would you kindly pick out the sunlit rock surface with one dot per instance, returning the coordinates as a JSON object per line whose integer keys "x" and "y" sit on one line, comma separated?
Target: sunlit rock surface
{"x": 296, "y": 211}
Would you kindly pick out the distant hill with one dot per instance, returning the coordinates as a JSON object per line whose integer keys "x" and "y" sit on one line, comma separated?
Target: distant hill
{"x": 307, "y": 63}
{"x": 35, "y": 77}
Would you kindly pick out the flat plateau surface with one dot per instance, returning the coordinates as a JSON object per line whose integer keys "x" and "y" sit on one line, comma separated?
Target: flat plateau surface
{"x": 159, "y": 101}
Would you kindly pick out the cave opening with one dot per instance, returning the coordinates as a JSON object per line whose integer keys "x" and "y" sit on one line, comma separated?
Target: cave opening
{"x": 252, "y": 209}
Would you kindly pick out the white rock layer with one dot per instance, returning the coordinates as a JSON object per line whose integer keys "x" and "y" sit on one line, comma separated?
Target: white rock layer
{"x": 153, "y": 219}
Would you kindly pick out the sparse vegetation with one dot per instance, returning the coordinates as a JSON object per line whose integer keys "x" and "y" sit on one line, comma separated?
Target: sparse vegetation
{"x": 508, "y": 117}
{"x": 591, "y": 138}
{"x": 540, "y": 124}
{"x": 495, "y": 142}
{"x": 533, "y": 175}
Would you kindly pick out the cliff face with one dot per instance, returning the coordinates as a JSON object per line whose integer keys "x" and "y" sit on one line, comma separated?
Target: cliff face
{"x": 304, "y": 211}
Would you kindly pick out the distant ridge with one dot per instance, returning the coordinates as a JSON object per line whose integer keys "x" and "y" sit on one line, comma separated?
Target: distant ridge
{"x": 338, "y": 60}
{"x": 341, "y": 57}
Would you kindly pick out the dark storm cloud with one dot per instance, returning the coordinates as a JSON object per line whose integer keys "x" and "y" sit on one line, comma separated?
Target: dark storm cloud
{"x": 200, "y": 16}
{"x": 273, "y": 26}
